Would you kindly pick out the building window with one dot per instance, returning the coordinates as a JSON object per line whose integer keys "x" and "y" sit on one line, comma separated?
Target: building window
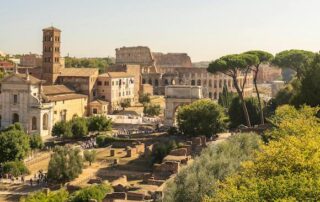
{"x": 45, "y": 122}
{"x": 34, "y": 123}
{"x": 112, "y": 82}
{"x": 215, "y": 83}
{"x": 193, "y": 82}
{"x": 210, "y": 95}
{"x": 215, "y": 96}
{"x": 150, "y": 82}
{"x": 143, "y": 81}
{"x": 199, "y": 82}
{"x": 99, "y": 83}
{"x": 15, "y": 118}
{"x": 95, "y": 111}
{"x": 15, "y": 99}
{"x": 156, "y": 82}
{"x": 55, "y": 112}
{"x": 166, "y": 82}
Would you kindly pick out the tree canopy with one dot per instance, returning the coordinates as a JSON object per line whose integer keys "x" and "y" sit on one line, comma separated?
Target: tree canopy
{"x": 233, "y": 66}
{"x": 14, "y": 145}
{"x": 64, "y": 165}
{"x": 202, "y": 117}
{"x": 285, "y": 169}
{"x": 297, "y": 60}
{"x": 263, "y": 57}
{"x": 216, "y": 162}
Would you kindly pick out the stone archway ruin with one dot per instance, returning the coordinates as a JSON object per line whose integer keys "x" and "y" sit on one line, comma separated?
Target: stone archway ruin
{"x": 177, "y": 95}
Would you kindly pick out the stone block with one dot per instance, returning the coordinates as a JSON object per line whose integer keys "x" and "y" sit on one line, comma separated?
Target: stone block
{"x": 178, "y": 152}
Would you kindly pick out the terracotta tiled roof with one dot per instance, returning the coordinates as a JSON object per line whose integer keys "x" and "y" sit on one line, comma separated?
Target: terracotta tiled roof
{"x": 56, "y": 89}
{"x": 98, "y": 101}
{"x": 59, "y": 93}
{"x": 116, "y": 75}
{"x": 32, "y": 79}
{"x": 80, "y": 72}
{"x": 51, "y": 28}
{"x": 62, "y": 97}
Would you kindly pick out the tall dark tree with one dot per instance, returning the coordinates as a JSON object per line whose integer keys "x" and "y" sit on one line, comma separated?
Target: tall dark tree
{"x": 297, "y": 60}
{"x": 310, "y": 86}
{"x": 225, "y": 98}
{"x": 264, "y": 57}
{"x": 234, "y": 66}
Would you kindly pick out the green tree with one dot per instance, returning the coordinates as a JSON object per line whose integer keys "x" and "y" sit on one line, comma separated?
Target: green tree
{"x": 284, "y": 170}
{"x": 90, "y": 156}
{"x": 79, "y": 127}
{"x": 125, "y": 103}
{"x": 264, "y": 57}
{"x": 36, "y": 141}
{"x": 144, "y": 98}
{"x": 215, "y": 163}
{"x": 234, "y": 66}
{"x": 62, "y": 129}
{"x": 15, "y": 168}
{"x": 53, "y": 196}
{"x": 226, "y": 97}
{"x": 99, "y": 123}
{"x": 97, "y": 192}
{"x": 310, "y": 86}
{"x": 161, "y": 150}
{"x": 14, "y": 145}
{"x": 202, "y": 117}
{"x": 151, "y": 109}
{"x": 289, "y": 121}
{"x": 65, "y": 165}
{"x": 237, "y": 118}
{"x": 297, "y": 60}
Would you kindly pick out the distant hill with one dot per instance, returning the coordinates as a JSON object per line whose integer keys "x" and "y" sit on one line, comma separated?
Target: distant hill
{"x": 202, "y": 64}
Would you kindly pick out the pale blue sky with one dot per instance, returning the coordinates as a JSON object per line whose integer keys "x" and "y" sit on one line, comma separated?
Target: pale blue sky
{"x": 205, "y": 29}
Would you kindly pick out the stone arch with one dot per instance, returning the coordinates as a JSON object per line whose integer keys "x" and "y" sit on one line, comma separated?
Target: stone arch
{"x": 156, "y": 82}
{"x": 150, "y": 81}
{"x": 193, "y": 82}
{"x": 45, "y": 120}
{"x": 143, "y": 81}
{"x": 166, "y": 82}
{"x": 215, "y": 95}
{"x": 34, "y": 123}
{"x": 15, "y": 118}
{"x": 199, "y": 82}
{"x": 210, "y": 95}
{"x": 178, "y": 96}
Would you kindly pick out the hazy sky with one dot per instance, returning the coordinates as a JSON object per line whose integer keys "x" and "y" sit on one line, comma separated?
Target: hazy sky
{"x": 205, "y": 29}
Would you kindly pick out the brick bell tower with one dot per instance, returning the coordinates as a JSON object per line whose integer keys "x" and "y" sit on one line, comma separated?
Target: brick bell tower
{"x": 51, "y": 65}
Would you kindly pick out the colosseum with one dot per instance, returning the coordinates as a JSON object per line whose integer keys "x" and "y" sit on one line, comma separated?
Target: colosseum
{"x": 162, "y": 69}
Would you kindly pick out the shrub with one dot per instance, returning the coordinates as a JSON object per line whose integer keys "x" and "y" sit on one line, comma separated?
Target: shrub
{"x": 62, "y": 129}
{"x": 15, "y": 168}
{"x": 90, "y": 156}
{"x": 36, "y": 141}
{"x": 215, "y": 163}
{"x": 96, "y": 192}
{"x": 65, "y": 164}
{"x": 53, "y": 196}
{"x": 151, "y": 109}
{"x": 79, "y": 127}
{"x": 162, "y": 150}
{"x": 99, "y": 123}
{"x": 144, "y": 98}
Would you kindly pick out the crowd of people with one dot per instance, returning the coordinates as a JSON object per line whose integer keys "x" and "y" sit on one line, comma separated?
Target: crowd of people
{"x": 89, "y": 144}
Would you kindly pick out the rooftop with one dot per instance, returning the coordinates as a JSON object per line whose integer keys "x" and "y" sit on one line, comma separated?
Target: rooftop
{"x": 116, "y": 75}
{"x": 51, "y": 28}
{"x": 80, "y": 72}
{"x": 54, "y": 93}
